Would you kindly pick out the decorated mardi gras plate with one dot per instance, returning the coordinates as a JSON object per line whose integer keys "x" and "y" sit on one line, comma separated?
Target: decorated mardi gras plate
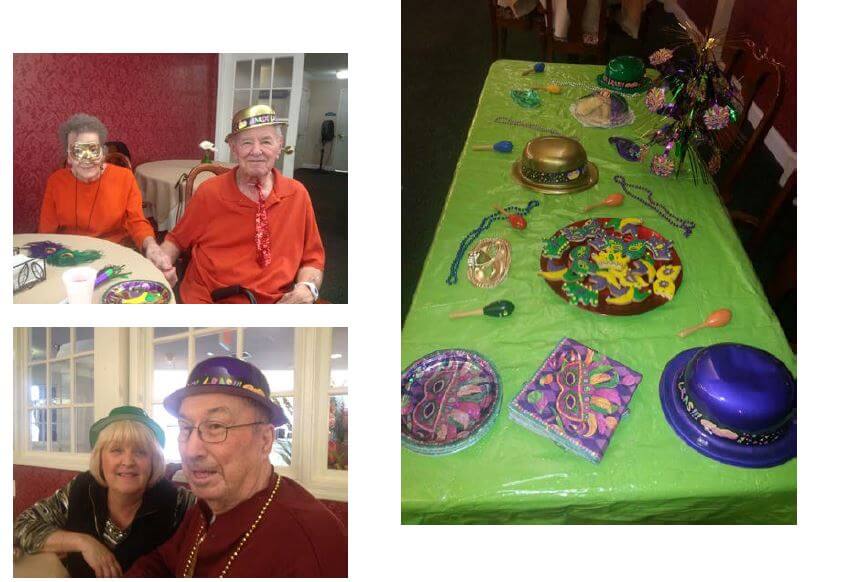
{"x": 450, "y": 399}
{"x": 137, "y": 291}
{"x": 613, "y": 266}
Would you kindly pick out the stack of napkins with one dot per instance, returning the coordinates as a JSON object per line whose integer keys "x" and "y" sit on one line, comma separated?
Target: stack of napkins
{"x": 576, "y": 398}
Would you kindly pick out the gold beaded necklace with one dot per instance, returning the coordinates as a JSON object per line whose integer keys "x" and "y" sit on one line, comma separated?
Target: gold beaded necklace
{"x": 188, "y": 572}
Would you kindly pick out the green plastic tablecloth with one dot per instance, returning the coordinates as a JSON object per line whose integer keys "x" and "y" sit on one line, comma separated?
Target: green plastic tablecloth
{"x": 648, "y": 475}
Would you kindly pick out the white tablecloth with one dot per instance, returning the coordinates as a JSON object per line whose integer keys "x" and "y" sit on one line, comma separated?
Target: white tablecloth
{"x": 158, "y": 182}
{"x": 52, "y": 290}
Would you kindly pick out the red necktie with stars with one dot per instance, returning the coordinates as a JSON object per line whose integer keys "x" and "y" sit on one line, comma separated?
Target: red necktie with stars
{"x": 262, "y": 230}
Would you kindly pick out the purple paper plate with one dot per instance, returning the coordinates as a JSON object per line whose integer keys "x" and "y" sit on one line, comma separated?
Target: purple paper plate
{"x": 137, "y": 291}
{"x": 707, "y": 443}
{"x": 450, "y": 399}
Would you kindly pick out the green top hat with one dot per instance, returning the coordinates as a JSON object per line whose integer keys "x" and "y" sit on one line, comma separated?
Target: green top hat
{"x": 126, "y": 413}
{"x": 624, "y": 74}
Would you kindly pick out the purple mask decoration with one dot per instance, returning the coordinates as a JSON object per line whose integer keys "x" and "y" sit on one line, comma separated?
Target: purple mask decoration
{"x": 576, "y": 399}
{"x": 627, "y": 149}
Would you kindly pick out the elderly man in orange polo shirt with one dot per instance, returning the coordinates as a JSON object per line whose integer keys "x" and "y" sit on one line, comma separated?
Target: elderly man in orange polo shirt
{"x": 250, "y": 227}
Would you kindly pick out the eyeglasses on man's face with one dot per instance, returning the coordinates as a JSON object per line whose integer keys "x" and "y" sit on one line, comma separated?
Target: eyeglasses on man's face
{"x": 210, "y": 431}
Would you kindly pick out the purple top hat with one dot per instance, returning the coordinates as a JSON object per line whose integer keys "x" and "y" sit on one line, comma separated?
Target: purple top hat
{"x": 733, "y": 403}
{"x": 227, "y": 375}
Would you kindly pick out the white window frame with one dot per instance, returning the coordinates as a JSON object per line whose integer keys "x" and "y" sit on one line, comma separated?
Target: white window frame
{"x": 312, "y": 351}
{"x": 123, "y": 375}
{"x": 225, "y": 93}
{"x": 109, "y": 391}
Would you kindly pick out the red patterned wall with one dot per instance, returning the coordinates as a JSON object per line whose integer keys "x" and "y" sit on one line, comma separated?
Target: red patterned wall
{"x": 773, "y": 27}
{"x": 701, "y": 12}
{"x": 160, "y": 105}
{"x": 34, "y": 483}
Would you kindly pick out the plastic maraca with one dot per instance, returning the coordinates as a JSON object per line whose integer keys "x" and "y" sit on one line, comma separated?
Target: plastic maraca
{"x": 501, "y": 308}
{"x": 503, "y": 147}
{"x": 538, "y": 68}
{"x": 552, "y": 89}
{"x": 718, "y": 318}
{"x": 516, "y": 220}
{"x": 615, "y": 199}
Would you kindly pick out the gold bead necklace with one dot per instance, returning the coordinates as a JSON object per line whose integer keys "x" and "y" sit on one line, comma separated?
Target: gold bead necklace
{"x": 188, "y": 572}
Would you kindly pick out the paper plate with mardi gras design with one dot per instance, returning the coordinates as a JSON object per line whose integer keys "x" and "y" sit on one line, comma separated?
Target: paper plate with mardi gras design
{"x": 137, "y": 291}
{"x": 450, "y": 399}
{"x": 613, "y": 266}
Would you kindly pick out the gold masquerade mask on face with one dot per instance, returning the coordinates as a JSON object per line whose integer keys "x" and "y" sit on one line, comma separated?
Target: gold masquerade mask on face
{"x": 488, "y": 262}
{"x": 86, "y": 152}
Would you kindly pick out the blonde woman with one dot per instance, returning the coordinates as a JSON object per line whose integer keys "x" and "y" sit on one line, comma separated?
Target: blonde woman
{"x": 118, "y": 510}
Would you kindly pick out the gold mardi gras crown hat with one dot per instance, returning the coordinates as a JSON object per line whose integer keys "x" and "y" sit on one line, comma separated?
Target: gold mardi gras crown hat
{"x": 555, "y": 165}
{"x": 254, "y": 116}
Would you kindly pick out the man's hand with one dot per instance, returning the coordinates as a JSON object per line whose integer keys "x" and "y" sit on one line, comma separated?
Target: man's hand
{"x": 162, "y": 262}
{"x": 299, "y": 294}
{"x": 101, "y": 560}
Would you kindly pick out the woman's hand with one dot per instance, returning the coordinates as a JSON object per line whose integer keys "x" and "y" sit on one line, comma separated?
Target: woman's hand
{"x": 98, "y": 556}
{"x": 161, "y": 260}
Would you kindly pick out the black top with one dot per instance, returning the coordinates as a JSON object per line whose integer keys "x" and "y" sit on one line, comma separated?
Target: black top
{"x": 161, "y": 512}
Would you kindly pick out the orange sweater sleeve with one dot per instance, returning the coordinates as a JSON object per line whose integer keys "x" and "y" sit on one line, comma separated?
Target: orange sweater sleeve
{"x": 313, "y": 253}
{"x": 49, "y": 219}
{"x": 134, "y": 222}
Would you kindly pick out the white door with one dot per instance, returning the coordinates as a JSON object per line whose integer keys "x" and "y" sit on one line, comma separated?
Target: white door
{"x": 302, "y": 127}
{"x": 252, "y": 79}
{"x": 339, "y": 156}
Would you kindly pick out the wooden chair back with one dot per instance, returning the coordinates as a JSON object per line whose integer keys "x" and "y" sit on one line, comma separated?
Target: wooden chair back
{"x": 575, "y": 41}
{"x": 215, "y": 169}
{"x": 503, "y": 20}
{"x": 118, "y": 159}
{"x": 761, "y": 81}
{"x": 117, "y": 146}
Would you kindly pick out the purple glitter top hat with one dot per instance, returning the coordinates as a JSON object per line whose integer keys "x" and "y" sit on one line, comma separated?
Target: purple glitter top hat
{"x": 227, "y": 375}
{"x": 733, "y": 403}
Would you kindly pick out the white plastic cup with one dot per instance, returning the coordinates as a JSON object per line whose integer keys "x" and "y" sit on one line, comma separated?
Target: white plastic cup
{"x": 79, "y": 284}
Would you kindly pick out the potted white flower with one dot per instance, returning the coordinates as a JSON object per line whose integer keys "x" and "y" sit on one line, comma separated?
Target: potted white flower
{"x": 208, "y": 148}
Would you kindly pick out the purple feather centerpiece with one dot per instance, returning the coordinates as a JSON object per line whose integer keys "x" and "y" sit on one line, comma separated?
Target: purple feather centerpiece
{"x": 576, "y": 399}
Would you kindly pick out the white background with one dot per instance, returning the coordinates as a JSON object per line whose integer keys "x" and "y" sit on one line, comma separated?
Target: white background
{"x": 380, "y": 549}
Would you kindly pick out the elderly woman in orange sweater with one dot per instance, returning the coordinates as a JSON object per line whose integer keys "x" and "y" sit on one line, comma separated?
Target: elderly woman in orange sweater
{"x": 92, "y": 198}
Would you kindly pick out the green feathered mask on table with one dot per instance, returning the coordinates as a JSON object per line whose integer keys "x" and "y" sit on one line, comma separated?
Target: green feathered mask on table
{"x": 58, "y": 255}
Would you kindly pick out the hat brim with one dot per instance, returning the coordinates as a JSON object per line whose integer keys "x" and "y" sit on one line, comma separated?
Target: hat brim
{"x": 280, "y": 122}
{"x": 173, "y": 401}
{"x": 714, "y": 447}
{"x": 642, "y": 86}
{"x": 593, "y": 177}
{"x": 97, "y": 427}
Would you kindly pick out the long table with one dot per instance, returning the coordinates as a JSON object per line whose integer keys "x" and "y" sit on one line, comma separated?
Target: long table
{"x": 648, "y": 475}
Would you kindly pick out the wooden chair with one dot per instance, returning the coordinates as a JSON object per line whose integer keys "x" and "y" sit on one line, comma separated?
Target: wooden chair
{"x": 117, "y": 146}
{"x": 188, "y": 191}
{"x": 763, "y": 224}
{"x": 118, "y": 159}
{"x": 761, "y": 80}
{"x": 503, "y": 20}
{"x": 575, "y": 41}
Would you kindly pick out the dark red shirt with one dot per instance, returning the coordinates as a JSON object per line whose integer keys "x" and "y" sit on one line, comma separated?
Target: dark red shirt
{"x": 298, "y": 537}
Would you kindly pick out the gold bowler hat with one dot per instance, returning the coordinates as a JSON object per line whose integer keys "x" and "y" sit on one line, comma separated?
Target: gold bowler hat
{"x": 254, "y": 116}
{"x": 555, "y": 165}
